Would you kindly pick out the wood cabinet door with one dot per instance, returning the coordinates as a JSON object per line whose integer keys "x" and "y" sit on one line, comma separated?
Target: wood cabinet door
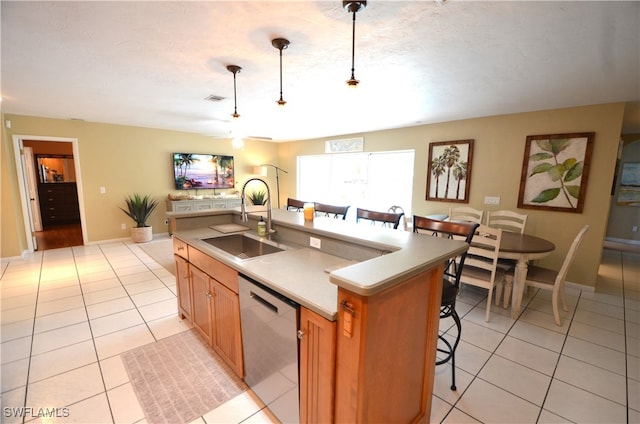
{"x": 227, "y": 337}
{"x": 183, "y": 287}
{"x": 317, "y": 368}
{"x": 201, "y": 307}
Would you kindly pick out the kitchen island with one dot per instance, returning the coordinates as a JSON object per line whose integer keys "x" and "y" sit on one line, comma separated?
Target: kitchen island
{"x": 370, "y": 301}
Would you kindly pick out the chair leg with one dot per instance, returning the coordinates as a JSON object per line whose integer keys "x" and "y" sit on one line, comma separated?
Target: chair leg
{"x": 508, "y": 288}
{"x": 556, "y": 313}
{"x": 499, "y": 289}
{"x": 451, "y": 349}
{"x": 490, "y": 296}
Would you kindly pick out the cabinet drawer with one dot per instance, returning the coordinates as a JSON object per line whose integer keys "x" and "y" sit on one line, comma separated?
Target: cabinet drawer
{"x": 216, "y": 269}
{"x": 180, "y": 248}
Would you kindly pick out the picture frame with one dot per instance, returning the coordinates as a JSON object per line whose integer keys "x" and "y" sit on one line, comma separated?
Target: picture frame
{"x": 449, "y": 171}
{"x": 555, "y": 172}
{"x": 629, "y": 191}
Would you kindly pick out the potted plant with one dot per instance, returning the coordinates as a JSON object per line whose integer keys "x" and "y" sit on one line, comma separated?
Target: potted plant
{"x": 139, "y": 208}
{"x": 258, "y": 197}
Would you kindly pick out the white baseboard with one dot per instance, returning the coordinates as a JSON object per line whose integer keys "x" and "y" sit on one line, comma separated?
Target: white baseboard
{"x": 619, "y": 240}
{"x": 577, "y": 286}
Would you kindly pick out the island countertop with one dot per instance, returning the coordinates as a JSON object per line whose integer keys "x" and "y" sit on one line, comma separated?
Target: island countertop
{"x": 310, "y": 276}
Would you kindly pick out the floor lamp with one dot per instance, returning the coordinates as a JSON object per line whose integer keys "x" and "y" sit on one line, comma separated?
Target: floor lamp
{"x": 278, "y": 169}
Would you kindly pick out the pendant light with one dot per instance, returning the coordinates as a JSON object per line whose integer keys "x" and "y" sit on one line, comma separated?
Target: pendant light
{"x": 280, "y": 44}
{"x": 353, "y": 7}
{"x": 234, "y": 69}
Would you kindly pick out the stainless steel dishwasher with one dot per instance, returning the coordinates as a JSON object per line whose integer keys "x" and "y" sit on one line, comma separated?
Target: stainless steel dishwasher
{"x": 270, "y": 345}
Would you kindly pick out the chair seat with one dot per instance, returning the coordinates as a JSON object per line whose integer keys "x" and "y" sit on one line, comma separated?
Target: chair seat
{"x": 482, "y": 274}
{"x": 449, "y": 293}
{"x": 541, "y": 275}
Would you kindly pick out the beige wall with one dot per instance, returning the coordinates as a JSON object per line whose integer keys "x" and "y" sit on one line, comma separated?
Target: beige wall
{"x": 497, "y": 163}
{"x": 122, "y": 159}
{"x": 623, "y": 218}
{"x": 129, "y": 159}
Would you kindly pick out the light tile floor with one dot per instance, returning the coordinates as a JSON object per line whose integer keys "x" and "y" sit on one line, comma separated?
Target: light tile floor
{"x": 67, "y": 314}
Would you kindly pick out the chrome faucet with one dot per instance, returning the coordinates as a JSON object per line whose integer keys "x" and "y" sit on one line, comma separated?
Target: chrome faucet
{"x": 243, "y": 209}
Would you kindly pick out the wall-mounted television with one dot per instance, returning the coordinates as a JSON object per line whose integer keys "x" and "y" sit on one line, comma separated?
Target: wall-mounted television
{"x": 200, "y": 171}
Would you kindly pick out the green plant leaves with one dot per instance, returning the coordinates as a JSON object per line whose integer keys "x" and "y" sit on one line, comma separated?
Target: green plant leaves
{"x": 547, "y": 195}
{"x": 554, "y": 146}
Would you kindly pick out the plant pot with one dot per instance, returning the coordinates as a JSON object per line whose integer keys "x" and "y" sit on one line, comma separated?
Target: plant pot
{"x": 142, "y": 234}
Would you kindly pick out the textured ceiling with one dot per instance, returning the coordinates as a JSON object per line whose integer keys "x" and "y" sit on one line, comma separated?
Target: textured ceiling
{"x": 152, "y": 64}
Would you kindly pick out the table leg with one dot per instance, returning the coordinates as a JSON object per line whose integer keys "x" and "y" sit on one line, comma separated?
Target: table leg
{"x": 519, "y": 277}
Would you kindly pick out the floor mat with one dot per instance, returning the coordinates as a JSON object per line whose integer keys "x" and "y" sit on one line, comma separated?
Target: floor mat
{"x": 180, "y": 378}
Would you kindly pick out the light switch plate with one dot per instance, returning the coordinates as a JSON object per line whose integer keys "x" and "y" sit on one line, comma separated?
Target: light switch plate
{"x": 315, "y": 242}
{"x": 491, "y": 200}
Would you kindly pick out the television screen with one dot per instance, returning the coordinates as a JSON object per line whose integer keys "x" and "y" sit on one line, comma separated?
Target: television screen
{"x": 192, "y": 170}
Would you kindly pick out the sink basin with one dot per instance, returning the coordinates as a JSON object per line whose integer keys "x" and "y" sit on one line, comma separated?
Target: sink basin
{"x": 242, "y": 246}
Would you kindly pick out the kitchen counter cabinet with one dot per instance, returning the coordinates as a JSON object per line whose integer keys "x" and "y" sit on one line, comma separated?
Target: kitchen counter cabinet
{"x": 208, "y": 298}
{"x": 317, "y": 367}
{"x": 183, "y": 286}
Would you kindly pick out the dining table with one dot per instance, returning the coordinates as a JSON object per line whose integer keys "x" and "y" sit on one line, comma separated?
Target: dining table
{"x": 522, "y": 248}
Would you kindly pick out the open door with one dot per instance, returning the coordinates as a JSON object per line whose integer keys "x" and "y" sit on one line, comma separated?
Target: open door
{"x": 32, "y": 188}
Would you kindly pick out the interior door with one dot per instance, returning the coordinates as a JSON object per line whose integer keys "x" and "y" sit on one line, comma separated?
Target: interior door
{"x": 32, "y": 188}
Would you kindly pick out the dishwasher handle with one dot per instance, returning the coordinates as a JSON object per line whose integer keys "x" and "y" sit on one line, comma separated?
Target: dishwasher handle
{"x": 263, "y": 301}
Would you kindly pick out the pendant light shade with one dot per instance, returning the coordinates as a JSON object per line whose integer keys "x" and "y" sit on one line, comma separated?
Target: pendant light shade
{"x": 353, "y": 7}
{"x": 234, "y": 69}
{"x": 280, "y": 44}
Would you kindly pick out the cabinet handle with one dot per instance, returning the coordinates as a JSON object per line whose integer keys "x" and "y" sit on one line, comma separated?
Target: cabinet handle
{"x": 300, "y": 334}
{"x": 209, "y": 295}
{"x": 180, "y": 248}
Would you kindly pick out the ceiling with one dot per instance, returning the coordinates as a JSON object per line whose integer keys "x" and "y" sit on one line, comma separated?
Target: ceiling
{"x": 152, "y": 64}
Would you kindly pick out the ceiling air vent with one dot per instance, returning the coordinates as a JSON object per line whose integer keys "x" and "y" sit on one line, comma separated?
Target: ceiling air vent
{"x": 214, "y": 98}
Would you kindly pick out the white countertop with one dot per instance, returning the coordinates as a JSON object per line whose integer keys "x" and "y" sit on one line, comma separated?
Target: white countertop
{"x": 302, "y": 273}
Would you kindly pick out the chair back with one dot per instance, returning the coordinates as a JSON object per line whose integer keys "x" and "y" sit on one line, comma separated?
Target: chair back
{"x": 331, "y": 210}
{"x": 385, "y": 218}
{"x": 483, "y": 252}
{"x": 451, "y": 230}
{"x": 465, "y": 213}
{"x": 571, "y": 254}
{"x": 295, "y": 205}
{"x": 403, "y": 220}
{"x": 507, "y": 220}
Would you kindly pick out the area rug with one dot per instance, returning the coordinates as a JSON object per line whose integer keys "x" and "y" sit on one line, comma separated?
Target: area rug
{"x": 179, "y": 378}
{"x": 161, "y": 251}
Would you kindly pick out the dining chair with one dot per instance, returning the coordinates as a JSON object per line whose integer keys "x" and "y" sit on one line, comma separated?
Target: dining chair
{"x": 481, "y": 267}
{"x": 450, "y": 279}
{"x": 403, "y": 220}
{"x": 465, "y": 213}
{"x": 507, "y": 220}
{"x": 385, "y": 218}
{"x": 295, "y": 205}
{"x": 331, "y": 210}
{"x": 548, "y": 279}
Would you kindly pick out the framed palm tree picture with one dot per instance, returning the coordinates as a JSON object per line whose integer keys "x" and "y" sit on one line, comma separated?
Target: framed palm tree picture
{"x": 449, "y": 171}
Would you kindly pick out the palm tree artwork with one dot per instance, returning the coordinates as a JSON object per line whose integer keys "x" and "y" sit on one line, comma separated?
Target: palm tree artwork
{"x": 200, "y": 171}
{"x": 449, "y": 170}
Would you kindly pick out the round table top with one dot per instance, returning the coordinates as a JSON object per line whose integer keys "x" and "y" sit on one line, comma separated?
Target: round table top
{"x": 524, "y": 243}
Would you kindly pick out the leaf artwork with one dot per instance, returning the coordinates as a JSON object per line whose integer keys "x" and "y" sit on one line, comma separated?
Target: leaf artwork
{"x": 558, "y": 172}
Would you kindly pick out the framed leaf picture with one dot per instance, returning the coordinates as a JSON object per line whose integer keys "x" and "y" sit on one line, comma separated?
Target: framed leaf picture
{"x": 555, "y": 170}
{"x": 449, "y": 171}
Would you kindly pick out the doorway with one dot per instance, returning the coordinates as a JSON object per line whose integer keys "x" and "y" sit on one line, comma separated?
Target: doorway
{"x": 50, "y": 191}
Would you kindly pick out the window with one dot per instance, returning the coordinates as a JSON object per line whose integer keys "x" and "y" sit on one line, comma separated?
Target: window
{"x": 374, "y": 181}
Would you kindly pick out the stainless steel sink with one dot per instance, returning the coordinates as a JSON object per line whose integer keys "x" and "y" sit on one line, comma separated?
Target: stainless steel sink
{"x": 242, "y": 246}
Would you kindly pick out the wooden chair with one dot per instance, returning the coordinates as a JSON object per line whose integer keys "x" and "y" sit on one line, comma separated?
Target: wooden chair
{"x": 385, "y": 218}
{"x": 295, "y": 205}
{"x": 507, "y": 220}
{"x": 403, "y": 221}
{"x": 481, "y": 268}
{"x": 451, "y": 278}
{"x": 332, "y": 211}
{"x": 465, "y": 213}
{"x": 548, "y": 279}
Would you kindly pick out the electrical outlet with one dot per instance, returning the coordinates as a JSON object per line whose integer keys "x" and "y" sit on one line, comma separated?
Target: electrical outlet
{"x": 634, "y": 228}
{"x": 166, "y": 222}
{"x": 491, "y": 200}
{"x": 315, "y": 242}
{"x": 103, "y": 190}
{"x": 123, "y": 226}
